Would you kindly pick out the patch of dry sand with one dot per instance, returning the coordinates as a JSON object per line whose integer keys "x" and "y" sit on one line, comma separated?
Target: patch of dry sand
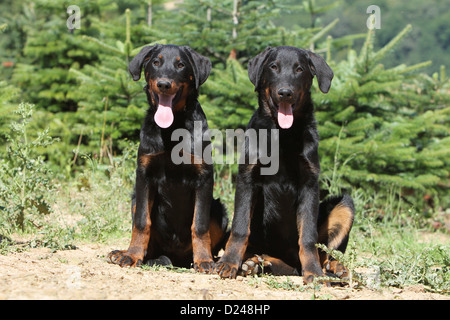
{"x": 84, "y": 273}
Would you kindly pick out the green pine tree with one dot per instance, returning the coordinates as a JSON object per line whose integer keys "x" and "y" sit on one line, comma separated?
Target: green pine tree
{"x": 231, "y": 33}
{"x": 47, "y": 75}
{"x": 111, "y": 105}
{"x": 387, "y": 138}
{"x": 228, "y": 97}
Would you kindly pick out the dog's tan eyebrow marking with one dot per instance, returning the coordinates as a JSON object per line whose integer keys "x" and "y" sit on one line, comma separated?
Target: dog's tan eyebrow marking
{"x": 160, "y": 56}
{"x": 178, "y": 59}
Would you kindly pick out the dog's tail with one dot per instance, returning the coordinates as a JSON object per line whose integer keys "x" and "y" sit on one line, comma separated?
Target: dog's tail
{"x": 336, "y": 215}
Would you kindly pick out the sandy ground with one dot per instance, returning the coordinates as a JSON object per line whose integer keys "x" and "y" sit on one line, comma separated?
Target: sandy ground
{"x": 84, "y": 273}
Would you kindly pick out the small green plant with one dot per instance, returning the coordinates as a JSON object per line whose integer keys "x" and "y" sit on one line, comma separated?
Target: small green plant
{"x": 103, "y": 199}
{"x": 25, "y": 180}
{"x": 428, "y": 267}
{"x": 287, "y": 284}
{"x": 349, "y": 261}
{"x": 411, "y": 265}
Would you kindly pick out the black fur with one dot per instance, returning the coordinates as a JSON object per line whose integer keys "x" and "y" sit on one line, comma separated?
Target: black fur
{"x": 278, "y": 215}
{"x": 172, "y": 192}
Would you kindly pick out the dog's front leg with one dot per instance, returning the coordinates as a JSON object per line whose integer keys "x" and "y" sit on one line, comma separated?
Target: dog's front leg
{"x": 201, "y": 240}
{"x": 229, "y": 264}
{"x": 307, "y": 214}
{"x": 134, "y": 256}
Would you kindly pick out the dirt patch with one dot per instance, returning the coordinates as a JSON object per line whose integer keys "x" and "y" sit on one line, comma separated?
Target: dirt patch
{"x": 84, "y": 273}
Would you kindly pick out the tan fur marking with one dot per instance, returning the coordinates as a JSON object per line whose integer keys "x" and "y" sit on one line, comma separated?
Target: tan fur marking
{"x": 140, "y": 238}
{"x": 341, "y": 215}
{"x": 216, "y": 233}
{"x": 146, "y": 159}
{"x": 182, "y": 102}
{"x": 201, "y": 243}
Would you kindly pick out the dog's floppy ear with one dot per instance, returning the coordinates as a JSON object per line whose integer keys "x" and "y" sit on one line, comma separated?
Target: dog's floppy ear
{"x": 136, "y": 64}
{"x": 255, "y": 66}
{"x": 322, "y": 70}
{"x": 201, "y": 66}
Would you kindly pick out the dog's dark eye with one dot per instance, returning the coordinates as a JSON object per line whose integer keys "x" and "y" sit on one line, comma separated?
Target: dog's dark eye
{"x": 156, "y": 63}
{"x": 299, "y": 69}
{"x": 274, "y": 67}
{"x": 180, "y": 65}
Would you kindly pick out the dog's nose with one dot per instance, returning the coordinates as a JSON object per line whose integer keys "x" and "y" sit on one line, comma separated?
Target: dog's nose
{"x": 163, "y": 85}
{"x": 285, "y": 93}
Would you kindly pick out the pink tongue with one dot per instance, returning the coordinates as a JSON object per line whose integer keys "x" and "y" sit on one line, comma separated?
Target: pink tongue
{"x": 164, "y": 114}
{"x": 285, "y": 116}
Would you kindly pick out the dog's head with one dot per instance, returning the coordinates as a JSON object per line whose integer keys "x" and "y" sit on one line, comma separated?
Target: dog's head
{"x": 282, "y": 75}
{"x": 173, "y": 73}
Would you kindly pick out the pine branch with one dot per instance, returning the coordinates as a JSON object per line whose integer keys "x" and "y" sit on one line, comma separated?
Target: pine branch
{"x": 415, "y": 67}
{"x": 323, "y": 31}
{"x": 103, "y": 45}
{"x": 383, "y": 51}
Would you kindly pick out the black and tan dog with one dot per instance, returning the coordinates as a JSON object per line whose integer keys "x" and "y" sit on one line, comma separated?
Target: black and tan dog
{"x": 278, "y": 216}
{"x": 175, "y": 219}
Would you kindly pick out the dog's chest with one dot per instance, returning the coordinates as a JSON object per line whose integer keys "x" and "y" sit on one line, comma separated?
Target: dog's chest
{"x": 160, "y": 168}
{"x": 281, "y": 191}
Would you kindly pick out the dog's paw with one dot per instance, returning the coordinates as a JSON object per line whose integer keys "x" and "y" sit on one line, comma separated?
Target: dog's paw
{"x": 254, "y": 265}
{"x": 337, "y": 269}
{"x": 124, "y": 259}
{"x": 204, "y": 266}
{"x": 227, "y": 269}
